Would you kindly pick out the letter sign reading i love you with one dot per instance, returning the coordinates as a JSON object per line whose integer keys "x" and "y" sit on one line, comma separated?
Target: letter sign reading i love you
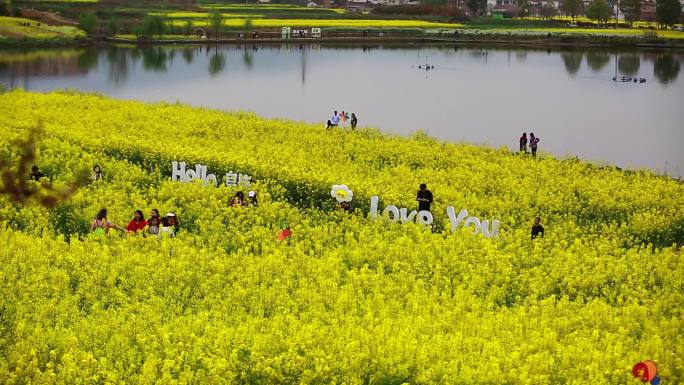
{"x": 425, "y": 217}
{"x": 180, "y": 172}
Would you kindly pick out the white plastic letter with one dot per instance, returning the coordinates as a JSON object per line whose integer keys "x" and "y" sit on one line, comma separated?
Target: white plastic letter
{"x": 456, "y": 220}
{"x": 374, "y": 207}
{"x": 391, "y": 209}
{"x": 211, "y": 177}
{"x": 190, "y": 175}
{"x": 178, "y": 171}
{"x": 495, "y": 228}
{"x": 231, "y": 178}
{"x": 473, "y": 221}
{"x": 424, "y": 218}
{"x": 404, "y": 218}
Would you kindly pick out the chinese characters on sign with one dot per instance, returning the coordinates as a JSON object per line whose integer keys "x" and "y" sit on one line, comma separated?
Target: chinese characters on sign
{"x": 180, "y": 172}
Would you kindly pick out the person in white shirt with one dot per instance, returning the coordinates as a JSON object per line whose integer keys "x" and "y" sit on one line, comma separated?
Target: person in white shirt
{"x": 335, "y": 119}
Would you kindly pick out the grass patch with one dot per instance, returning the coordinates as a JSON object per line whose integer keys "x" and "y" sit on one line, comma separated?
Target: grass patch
{"x": 16, "y": 30}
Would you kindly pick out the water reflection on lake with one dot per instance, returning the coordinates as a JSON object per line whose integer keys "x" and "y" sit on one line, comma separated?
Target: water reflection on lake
{"x": 475, "y": 94}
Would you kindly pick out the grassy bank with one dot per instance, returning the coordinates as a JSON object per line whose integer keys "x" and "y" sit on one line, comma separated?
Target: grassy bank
{"x": 20, "y": 31}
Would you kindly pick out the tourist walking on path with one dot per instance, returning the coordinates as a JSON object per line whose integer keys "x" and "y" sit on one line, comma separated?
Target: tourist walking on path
{"x": 424, "y": 198}
{"x": 537, "y": 228}
{"x": 523, "y": 143}
{"x": 354, "y": 121}
{"x": 101, "y": 225}
{"x": 533, "y": 144}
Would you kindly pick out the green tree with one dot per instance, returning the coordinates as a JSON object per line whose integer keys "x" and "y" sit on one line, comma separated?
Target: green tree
{"x": 113, "y": 26}
{"x": 668, "y": 11}
{"x": 87, "y": 22}
{"x": 476, "y": 7}
{"x": 524, "y": 7}
{"x": 599, "y": 10}
{"x": 248, "y": 24}
{"x": 549, "y": 9}
{"x": 188, "y": 28}
{"x": 572, "y": 7}
{"x": 6, "y": 8}
{"x": 631, "y": 9}
{"x": 216, "y": 23}
{"x": 153, "y": 25}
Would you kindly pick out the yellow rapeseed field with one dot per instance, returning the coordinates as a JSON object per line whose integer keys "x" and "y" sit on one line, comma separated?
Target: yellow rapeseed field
{"x": 348, "y": 299}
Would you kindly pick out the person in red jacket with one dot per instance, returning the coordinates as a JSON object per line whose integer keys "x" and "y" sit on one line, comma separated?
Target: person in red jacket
{"x": 138, "y": 222}
{"x": 285, "y": 233}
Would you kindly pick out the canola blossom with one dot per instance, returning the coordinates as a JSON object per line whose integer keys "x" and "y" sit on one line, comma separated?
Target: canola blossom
{"x": 346, "y": 298}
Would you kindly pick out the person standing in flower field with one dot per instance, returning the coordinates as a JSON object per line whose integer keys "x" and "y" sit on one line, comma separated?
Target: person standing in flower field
{"x": 424, "y": 198}
{"x": 170, "y": 224}
{"x": 97, "y": 173}
{"x": 154, "y": 223}
{"x": 238, "y": 200}
{"x": 354, "y": 121}
{"x": 335, "y": 120}
{"x": 285, "y": 233}
{"x": 253, "y": 201}
{"x": 537, "y": 228}
{"x": 101, "y": 225}
{"x": 346, "y": 207}
{"x": 36, "y": 174}
{"x": 523, "y": 143}
{"x": 138, "y": 222}
{"x": 533, "y": 144}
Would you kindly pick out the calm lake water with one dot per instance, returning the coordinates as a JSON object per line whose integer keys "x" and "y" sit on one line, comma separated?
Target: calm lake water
{"x": 477, "y": 95}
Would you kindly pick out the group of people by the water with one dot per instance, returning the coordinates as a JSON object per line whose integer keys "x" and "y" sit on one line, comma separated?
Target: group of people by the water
{"x": 342, "y": 119}
{"x": 533, "y": 142}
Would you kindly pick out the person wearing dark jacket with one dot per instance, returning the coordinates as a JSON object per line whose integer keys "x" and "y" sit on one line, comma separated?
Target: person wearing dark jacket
{"x": 36, "y": 174}
{"x": 424, "y": 198}
{"x": 537, "y": 229}
{"x": 523, "y": 143}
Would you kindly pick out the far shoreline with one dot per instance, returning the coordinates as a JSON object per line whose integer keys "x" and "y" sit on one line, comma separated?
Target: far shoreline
{"x": 551, "y": 41}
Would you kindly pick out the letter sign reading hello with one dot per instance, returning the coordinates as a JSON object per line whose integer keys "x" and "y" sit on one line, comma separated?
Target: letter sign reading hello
{"x": 181, "y": 174}
{"x": 425, "y": 218}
